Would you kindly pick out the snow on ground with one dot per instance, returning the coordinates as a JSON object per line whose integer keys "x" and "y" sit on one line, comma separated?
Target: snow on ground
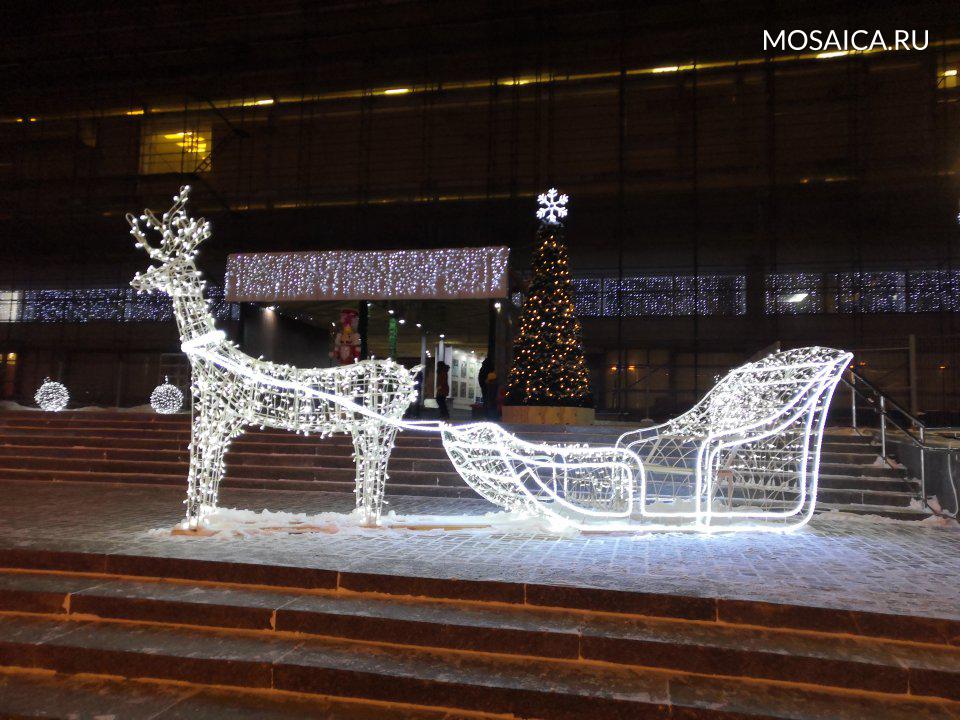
{"x": 239, "y": 523}
{"x": 12, "y": 406}
{"x": 935, "y": 521}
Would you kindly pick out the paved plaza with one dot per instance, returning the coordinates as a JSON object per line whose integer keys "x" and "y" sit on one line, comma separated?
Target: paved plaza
{"x": 836, "y": 562}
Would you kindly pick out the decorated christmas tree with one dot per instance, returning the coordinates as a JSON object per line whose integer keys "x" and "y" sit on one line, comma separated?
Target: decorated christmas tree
{"x": 548, "y": 366}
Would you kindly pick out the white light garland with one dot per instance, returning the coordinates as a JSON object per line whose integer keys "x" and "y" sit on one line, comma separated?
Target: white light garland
{"x": 233, "y": 390}
{"x": 447, "y": 273}
{"x": 166, "y": 399}
{"x": 52, "y": 396}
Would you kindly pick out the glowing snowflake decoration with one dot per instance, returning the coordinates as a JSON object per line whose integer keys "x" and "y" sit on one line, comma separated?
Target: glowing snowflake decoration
{"x": 166, "y": 399}
{"x": 554, "y": 207}
{"x": 52, "y": 396}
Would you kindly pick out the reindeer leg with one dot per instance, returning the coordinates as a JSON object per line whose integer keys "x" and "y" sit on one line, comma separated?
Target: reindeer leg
{"x": 209, "y": 438}
{"x": 371, "y": 446}
{"x": 223, "y": 434}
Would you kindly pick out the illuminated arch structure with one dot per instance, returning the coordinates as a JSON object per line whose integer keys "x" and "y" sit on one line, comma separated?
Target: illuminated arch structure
{"x": 234, "y": 390}
{"x": 746, "y": 457}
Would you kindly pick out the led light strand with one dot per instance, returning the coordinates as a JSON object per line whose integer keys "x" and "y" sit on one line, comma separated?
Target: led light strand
{"x": 747, "y": 456}
{"x": 234, "y": 391}
{"x": 166, "y": 399}
{"x": 52, "y": 396}
{"x": 454, "y": 273}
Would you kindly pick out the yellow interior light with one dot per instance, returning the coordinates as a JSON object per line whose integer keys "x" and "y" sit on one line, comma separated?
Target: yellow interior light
{"x": 396, "y": 91}
{"x": 189, "y": 141}
{"x": 832, "y": 54}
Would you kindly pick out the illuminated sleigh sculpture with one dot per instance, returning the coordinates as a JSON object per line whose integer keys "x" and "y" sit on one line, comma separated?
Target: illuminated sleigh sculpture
{"x": 746, "y": 457}
{"x": 565, "y": 486}
{"x": 233, "y": 390}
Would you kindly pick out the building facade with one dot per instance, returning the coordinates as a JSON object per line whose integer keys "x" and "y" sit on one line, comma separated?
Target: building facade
{"x": 724, "y": 197}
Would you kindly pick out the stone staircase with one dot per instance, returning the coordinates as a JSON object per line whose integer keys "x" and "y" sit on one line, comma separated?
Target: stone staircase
{"x": 119, "y": 447}
{"x": 162, "y": 638}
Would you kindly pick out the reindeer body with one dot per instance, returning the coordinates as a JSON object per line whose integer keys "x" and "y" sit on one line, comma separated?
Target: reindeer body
{"x": 233, "y": 390}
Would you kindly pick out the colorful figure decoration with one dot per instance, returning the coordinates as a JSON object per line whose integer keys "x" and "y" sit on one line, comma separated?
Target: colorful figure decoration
{"x": 346, "y": 343}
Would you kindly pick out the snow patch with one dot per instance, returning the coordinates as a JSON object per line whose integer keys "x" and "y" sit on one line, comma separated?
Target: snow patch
{"x": 931, "y": 520}
{"x": 238, "y": 523}
{"x": 14, "y": 406}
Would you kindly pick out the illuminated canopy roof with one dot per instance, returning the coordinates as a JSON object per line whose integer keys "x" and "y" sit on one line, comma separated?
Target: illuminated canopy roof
{"x": 448, "y": 273}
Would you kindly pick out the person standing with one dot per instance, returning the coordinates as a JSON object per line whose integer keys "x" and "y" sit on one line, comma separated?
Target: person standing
{"x": 486, "y": 367}
{"x": 443, "y": 389}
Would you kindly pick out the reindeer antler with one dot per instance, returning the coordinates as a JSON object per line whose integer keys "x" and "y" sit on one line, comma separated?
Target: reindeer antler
{"x": 179, "y": 233}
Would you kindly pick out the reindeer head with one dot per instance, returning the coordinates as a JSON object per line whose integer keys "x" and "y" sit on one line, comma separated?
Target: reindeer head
{"x": 180, "y": 235}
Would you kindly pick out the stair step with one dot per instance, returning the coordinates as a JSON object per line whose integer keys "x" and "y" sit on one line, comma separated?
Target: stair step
{"x": 149, "y": 449}
{"x": 238, "y": 464}
{"x": 868, "y": 483}
{"x": 334, "y": 486}
{"x": 893, "y": 512}
{"x": 240, "y": 445}
{"x": 399, "y": 460}
{"x": 865, "y": 497}
{"x": 692, "y": 646}
{"x": 851, "y": 458}
{"x": 521, "y": 685}
{"x": 65, "y": 697}
{"x": 234, "y": 471}
{"x": 7, "y": 434}
{"x": 866, "y": 445}
{"x": 853, "y": 469}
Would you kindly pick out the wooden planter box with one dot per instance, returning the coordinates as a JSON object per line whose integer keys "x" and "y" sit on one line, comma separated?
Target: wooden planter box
{"x": 547, "y": 415}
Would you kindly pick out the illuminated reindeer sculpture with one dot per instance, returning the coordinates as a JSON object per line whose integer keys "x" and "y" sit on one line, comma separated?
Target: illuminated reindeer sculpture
{"x": 233, "y": 390}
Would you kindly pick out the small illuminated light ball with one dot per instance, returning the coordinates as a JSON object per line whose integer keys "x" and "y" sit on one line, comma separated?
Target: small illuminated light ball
{"x": 166, "y": 399}
{"x": 52, "y": 396}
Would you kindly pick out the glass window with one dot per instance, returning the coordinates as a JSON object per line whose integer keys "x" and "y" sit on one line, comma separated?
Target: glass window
{"x": 175, "y": 147}
{"x": 9, "y": 305}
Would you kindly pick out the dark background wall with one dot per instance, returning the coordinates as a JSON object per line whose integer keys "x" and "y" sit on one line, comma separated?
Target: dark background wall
{"x": 281, "y": 339}
{"x": 738, "y": 161}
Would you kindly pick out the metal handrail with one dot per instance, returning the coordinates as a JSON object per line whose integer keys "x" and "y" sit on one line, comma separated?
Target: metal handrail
{"x": 879, "y": 401}
{"x": 889, "y": 400}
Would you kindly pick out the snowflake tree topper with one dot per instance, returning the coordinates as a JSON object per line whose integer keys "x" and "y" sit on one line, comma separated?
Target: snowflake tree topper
{"x": 553, "y": 207}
